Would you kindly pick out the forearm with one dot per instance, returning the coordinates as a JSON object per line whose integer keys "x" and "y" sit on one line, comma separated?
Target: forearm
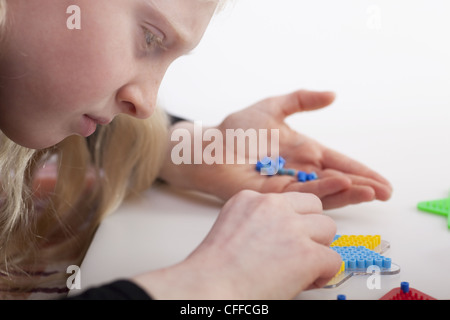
{"x": 180, "y": 167}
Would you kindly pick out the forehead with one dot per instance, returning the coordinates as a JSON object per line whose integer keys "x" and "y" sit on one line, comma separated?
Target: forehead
{"x": 184, "y": 13}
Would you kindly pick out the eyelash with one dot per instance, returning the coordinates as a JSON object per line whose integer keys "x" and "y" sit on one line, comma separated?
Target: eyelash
{"x": 152, "y": 40}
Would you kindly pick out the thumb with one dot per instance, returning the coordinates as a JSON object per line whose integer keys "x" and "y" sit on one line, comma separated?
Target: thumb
{"x": 301, "y": 100}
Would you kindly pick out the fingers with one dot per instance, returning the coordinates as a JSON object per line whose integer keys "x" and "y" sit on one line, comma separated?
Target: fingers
{"x": 334, "y": 188}
{"x": 281, "y": 233}
{"x": 322, "y": 187}
{"x": 337, "y": 161}
{"x": 301, "y": 100}
{"x": 323, "y": 263}
{"x": 303, "y": 203}
{"x": 307, "y": 206}
{"x": 380, "y": 190}
{"x": 328, "y": 266}
{"x": 319, "y": 228}
{"x": 354, "y": 195}
{"x": 360, "y": 190}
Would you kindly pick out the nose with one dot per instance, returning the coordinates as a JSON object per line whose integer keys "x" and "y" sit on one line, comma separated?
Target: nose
{"x": 138, "y": 99}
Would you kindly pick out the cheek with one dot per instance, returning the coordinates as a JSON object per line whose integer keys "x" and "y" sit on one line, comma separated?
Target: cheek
{"x": 80, "y": 82}
{"x": 89, "y": 64}
{"x": 84, "y": 74}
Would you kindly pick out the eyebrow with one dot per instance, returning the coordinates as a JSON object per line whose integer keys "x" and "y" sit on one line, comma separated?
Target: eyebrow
{"x": 180, "y": 36}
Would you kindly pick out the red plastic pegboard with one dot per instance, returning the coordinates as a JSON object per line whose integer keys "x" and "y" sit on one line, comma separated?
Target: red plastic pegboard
{"x": 412, "y": 294}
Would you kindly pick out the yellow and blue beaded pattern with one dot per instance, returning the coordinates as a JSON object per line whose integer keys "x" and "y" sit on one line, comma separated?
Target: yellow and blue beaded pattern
{"x": 359, "y": 253}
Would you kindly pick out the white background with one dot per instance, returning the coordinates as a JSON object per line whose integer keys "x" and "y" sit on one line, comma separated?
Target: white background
{"x": 388, "y": 61}
{"x": 389, "y": 64}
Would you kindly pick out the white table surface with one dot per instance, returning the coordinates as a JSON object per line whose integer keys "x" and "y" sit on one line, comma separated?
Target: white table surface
{"x": 388, "y": 62}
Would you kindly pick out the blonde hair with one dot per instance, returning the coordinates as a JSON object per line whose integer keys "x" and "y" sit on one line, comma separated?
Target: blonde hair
{"x": 125, "y": 158}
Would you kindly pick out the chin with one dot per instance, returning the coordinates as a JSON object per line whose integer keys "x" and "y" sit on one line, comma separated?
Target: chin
{"x": 35, "y": 143}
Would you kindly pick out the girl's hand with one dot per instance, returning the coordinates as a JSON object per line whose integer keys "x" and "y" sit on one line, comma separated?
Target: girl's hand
{"x": 342, "y": 181}
{"x": 262, "y": 246}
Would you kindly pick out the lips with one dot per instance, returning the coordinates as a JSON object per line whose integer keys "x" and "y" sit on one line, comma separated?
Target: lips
{"x": 89, "y": 124}
{"x": 99, "y": 120}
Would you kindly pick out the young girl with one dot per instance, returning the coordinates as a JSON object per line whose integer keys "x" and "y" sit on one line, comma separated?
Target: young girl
{"x": 80, "y": 133}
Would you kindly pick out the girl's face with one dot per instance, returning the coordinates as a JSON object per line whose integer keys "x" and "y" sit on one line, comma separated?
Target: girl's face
{"x": 56, "y": 81}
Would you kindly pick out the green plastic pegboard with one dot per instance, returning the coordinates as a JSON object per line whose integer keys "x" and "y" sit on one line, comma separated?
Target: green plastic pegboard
{"x": 440, "y": 207}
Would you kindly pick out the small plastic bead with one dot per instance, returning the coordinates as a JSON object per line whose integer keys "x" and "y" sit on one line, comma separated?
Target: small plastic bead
{"x": 263, "y": 163}
{"x": 301, "y": 176}
{"x": 379, "y": 262}
{"x": 352, "y": 263}
{"x": 266, "y": 161}
{"x": 311, "y": 176}
{"x": 345, "y": 261}
{"x": 259, "y": 165}
{"x": 405, "y": 287}
{"x": 290, "y": 172}
{"x": 270, "y": 171}
{"x": 272, "y": 166}
{"x": 281, "y": 162}
{"x": 369, "y": 262}
{"x": 268, "y": 165}
{"x": 386, "y": 262}
{"x": 360, "y": 263}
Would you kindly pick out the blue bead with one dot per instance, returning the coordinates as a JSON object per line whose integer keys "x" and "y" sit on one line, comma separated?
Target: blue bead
{"x": 360, "y": 263}
{"x": 345, "y": 262}
{"x": 259, "y": 165}
{"x": 281, "y": 162}
{"x": 311, "y": 176}
{"x": 301, "y": 176}
{"x": 290, "y": 172}
{"x": 269, "y": 166}
{"x": 270, "y": 171}
{"x": 341, "y": 297}
{"x": 352, "y": 263}
{"x": 386, "y": 263}
{"x": 266, "y": 161}
{"x": 404, "y": 286}
{"x": 369, "y": 262}
{"x": 378, "y": 262}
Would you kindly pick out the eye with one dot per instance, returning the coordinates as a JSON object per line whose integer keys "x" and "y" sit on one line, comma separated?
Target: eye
{"x": 152, "y": 41}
